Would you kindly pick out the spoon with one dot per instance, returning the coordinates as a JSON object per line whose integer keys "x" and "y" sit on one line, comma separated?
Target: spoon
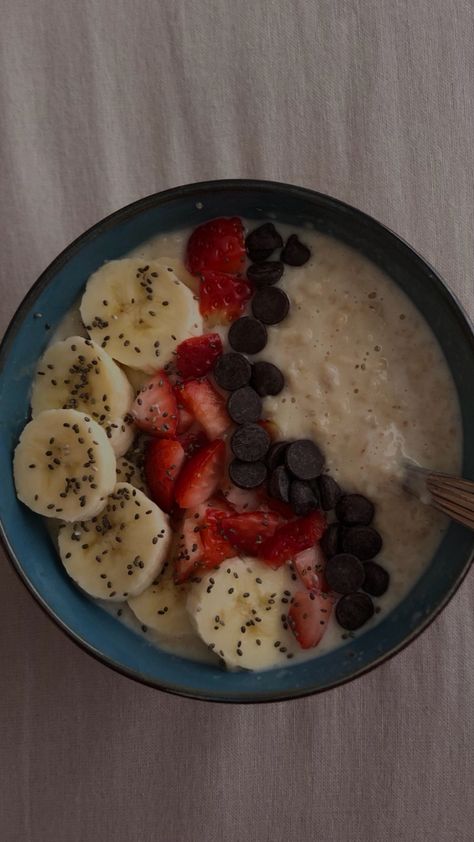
{"x": 452, "y": 495}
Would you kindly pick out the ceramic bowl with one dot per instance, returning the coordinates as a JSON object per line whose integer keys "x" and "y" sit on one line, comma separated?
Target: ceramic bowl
{"x": 24, "y": 533}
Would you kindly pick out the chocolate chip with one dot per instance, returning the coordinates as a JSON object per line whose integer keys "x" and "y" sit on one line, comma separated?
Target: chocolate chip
{"x": 266, "y": 378}
{"x": 304, "y": 459}
{"x": 270, "y": 305}
{"x": 295, "y": 252}
{"x": 262, "y": 241}
{"x": 302, "y": 498}
{"x": 232, "y": 371}
{"x": 363, "y": 541}
{"x": 250, "y": 443}
{"x": 344, "y": 573}
{"x": 247, "y": 474}
{"x": 353, "y": 610}
{"x": 376, "y": 579}
{"x": 247, "y": 335}
{"x": 265, "y": 274}
{"x": 329, "y": 492}
{"x": 331, "y": 540}
{"x": 276, "y": 454}
{"x": 244, "y": 405}
{"x": 279, "y": 484}
{"x": 354, "y": 509}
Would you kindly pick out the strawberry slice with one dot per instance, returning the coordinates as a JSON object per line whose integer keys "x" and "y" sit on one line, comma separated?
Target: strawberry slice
{"x": 185, "y": 419}
{"x": 163, "y": 461}
{"x": 207, "y": 406}
{"x": 200, "y": 477}
{"x": 310, "y": 565}
{"x": 222, "y": 298}
{"x": 189, "y": 549}
{"x": 216, "y": 547}
{"x": 270, "y": 427}
{"x": 292, "y": 538}
{"x": 308, "y": 617}
{"x": 218, "y": 244}
{"x": 155, "y": 410}
{"x": 196, "y": 357}
{"x": 247, "y": 531}
{"x": 192, "y": 441}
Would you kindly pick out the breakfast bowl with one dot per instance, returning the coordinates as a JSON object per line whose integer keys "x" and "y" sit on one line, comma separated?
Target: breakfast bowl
{"x": 27, "y": 541}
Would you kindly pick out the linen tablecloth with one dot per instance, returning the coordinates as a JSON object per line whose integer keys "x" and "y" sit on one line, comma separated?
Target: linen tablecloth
{"x": 104, "y": 101}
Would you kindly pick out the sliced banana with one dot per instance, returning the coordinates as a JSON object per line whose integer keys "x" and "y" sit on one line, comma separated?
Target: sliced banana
{"x": 128, "y": 471}
{"x": 162, "y": 607}
{"x": 136, "y": 378}
{"x": 139, "y": 311}
{"x": 238, "y": 611}
{"x": 77, "y": 374}
{"x": 131, "y": 467}
{"x": 64, "y": 465}
{"x": 119, "y": 553}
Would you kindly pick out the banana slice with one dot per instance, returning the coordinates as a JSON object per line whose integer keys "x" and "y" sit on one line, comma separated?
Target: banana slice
{"x": 128, "y": 471}
{"x": 118, "y": 553}
{"x": 64, "y": 465}
{"x": 139, "y": 311}
{"x": 131, "y": 467}
{"x": 162, "y": 607}
{"x": 77, "y": 374}
{"x": 238, "y": 610}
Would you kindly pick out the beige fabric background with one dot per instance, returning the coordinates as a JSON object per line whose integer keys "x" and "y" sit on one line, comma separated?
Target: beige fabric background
{"x": 104, "y": 101}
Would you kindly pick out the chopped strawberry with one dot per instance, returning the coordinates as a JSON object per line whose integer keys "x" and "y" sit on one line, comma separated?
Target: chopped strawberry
{"x": 155, "y": 410}
{"x": 200, "y": 477}
{"x": 247, "y": 531}
{"x": 163, "y": 461}
{"x": 192, "y": 441}
{"x": 185, "y": 419}
{"x": 310, "y": 565}
{"x": 283, "y": 509}
{"x": 189, "y": 549}
{"x": 308, "y": 617}
{"x": 242, "y": 500}
{"x": 207, "y": 406}
{"x": 217, "y": 245}
{"x": 222, "y": 298}
{"x": 271, "y": 428}
{"x": 292, "y": 538}
{"x": 216, "y": 547}
{"x": 196, "y": 357}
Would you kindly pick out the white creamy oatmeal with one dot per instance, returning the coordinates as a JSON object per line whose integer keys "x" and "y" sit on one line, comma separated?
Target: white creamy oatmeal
{"x": 354, "y": 351}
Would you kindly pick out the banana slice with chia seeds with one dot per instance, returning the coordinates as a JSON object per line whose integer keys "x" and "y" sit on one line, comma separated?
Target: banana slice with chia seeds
{"x": 77, "y": 374}
{"x": 117, "y": 554}
{"x": 139, "y": 311}
{"x": 64, "y": 465}
{"x": 240, "y": 609}
{"x": 162, "y": 607}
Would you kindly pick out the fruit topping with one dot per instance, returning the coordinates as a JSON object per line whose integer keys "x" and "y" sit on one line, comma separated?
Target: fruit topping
{"x": 197, "y": 356}
{"x": 216, "y": 245}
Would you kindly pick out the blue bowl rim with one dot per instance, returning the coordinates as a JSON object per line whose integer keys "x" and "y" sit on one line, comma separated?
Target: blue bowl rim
{"x": 122, "y": 214}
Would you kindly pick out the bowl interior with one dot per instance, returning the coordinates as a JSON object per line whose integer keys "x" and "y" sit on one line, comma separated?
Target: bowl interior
{"x": 56, "y": 291}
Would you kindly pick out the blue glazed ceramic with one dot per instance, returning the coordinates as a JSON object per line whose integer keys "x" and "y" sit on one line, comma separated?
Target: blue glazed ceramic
{"x": 24, "y": 534}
